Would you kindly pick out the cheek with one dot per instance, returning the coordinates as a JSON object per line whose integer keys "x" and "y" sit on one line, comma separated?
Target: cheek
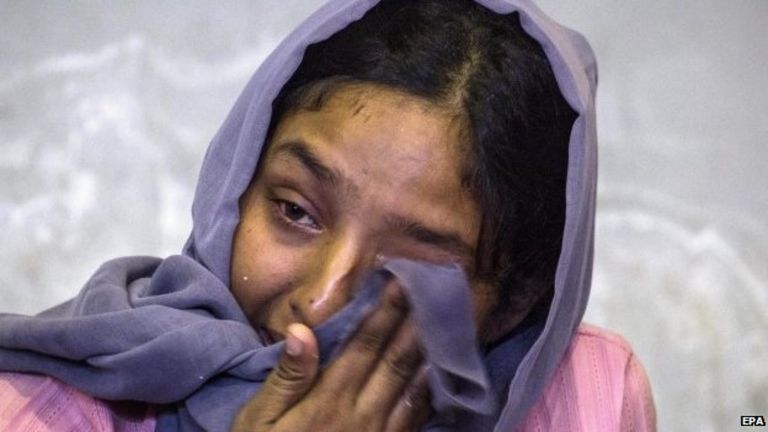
{"x": 262, "y": 272}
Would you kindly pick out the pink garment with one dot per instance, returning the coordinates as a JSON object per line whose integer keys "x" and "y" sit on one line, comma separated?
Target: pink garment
{"x": 599, "y": 385}
{"x": 36, "y": 403}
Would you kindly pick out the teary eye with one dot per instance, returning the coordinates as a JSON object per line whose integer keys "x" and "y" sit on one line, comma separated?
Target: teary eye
{"x": 294, "y": 214}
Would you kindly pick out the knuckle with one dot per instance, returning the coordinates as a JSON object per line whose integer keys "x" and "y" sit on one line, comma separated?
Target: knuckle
{"x": 394, "y": 298}
{"x": 368, "y": 341}
{"x": 403, "y": 362}
{"x": 287, "y": 377}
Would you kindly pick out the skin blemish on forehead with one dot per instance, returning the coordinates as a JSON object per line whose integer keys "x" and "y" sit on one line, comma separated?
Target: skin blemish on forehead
{"x": 358, "y": 101}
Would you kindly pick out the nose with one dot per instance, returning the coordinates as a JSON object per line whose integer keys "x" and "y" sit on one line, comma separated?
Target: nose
{"x": 337, "y": 269}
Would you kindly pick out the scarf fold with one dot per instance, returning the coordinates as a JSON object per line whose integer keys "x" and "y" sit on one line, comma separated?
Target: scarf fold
{"x": 169, "y": 332}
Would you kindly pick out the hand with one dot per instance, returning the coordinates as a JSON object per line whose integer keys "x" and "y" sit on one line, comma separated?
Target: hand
{"x": 375, "y": 384}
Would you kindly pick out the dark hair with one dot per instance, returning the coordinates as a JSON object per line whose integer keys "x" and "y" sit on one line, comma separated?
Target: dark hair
{"x": 461, "y": 55}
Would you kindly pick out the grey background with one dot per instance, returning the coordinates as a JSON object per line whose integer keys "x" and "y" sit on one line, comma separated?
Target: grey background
{"x": 106, "y": 109}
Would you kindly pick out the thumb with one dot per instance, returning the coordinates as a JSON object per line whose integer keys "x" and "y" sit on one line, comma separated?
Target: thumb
{"x": 288, "y": 382}
{"x": 295, "y": 372}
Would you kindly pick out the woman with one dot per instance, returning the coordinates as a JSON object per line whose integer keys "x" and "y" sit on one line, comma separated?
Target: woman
{"x": 364, "y": 156}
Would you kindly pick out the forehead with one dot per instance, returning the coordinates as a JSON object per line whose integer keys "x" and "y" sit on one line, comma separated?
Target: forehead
{"x": 379, "y": 134}
{"x": 387, "y": 159}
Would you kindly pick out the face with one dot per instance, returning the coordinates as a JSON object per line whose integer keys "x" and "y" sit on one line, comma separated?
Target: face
{"x": 373, "y": 173}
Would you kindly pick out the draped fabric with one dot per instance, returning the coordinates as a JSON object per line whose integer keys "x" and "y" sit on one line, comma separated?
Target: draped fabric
{"x": 598, "y": 386}
{"x": 168, "y": 331}
{"x": 178, "y": 341}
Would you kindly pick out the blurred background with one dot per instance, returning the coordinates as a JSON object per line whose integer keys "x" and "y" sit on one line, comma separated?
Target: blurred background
{"x": 106, "y": 109}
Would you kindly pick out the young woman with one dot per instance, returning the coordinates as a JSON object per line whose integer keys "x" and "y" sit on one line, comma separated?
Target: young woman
{"x": 392, "y": 231}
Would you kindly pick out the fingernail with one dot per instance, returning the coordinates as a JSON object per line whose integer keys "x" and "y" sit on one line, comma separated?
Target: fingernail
{"x": 293, "y": 345}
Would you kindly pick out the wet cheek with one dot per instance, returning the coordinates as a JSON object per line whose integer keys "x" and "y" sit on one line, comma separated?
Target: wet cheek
{"x": 262, "y": 283}
{"x": 262, "y": 269}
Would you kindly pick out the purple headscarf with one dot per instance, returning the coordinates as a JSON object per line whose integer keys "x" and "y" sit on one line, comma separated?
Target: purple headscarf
{"x": 168, "y": 331}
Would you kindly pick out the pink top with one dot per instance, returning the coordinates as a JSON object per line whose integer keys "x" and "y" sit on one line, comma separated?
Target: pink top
{"x": 32, "y": 403}
{"x": 599, "y": 386}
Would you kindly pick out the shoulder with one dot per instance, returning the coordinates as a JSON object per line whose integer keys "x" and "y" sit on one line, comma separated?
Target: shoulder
{"x": 599, "y": 385}
{"x": 41, "y": 403}
{"x": 596, "y": 349}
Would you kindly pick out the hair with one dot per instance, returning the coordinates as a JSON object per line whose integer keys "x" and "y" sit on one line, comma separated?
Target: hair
{"x": 462, "y": 56}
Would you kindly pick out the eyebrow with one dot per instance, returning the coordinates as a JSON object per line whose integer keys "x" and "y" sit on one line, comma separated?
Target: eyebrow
{"x": 300, "y": 150}
{"x": 449, "y": 241}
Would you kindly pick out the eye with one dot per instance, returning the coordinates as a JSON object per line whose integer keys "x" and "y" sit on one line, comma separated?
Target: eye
{"x": 294, "y": 214}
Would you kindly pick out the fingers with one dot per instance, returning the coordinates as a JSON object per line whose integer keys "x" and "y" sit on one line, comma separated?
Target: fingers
{"x": 297, "y": 368}
{"x": 413, "y": 409}
{"x": 351, "y": 370}
{"x": 377, "y": 369}
{"x": 397, "y": 368}
{"x": 373, "y": 384}
{"x": 291, "y": 379}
